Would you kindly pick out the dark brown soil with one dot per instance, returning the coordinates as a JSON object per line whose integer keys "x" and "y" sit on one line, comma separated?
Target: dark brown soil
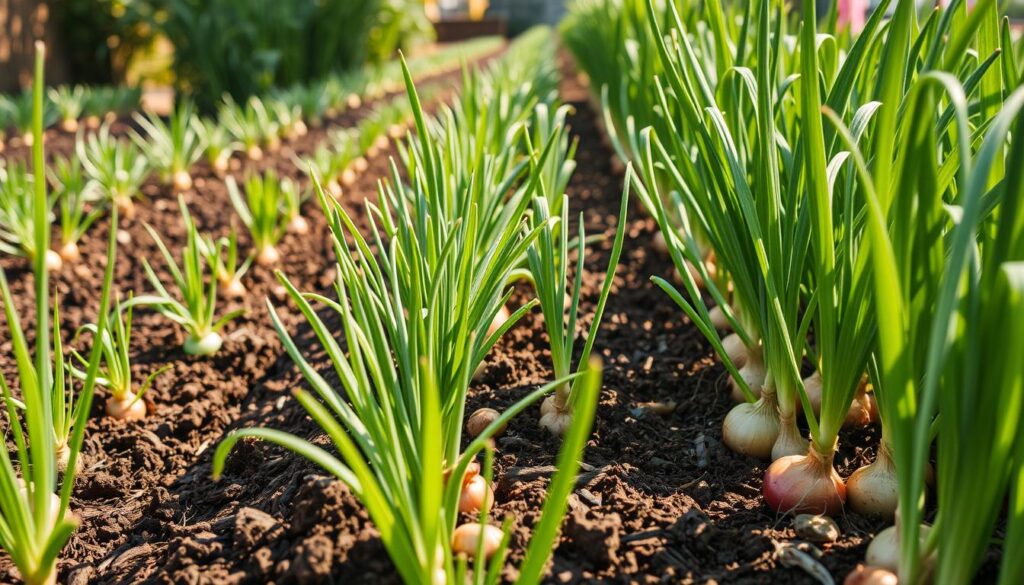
{"x": 661, "y": 500}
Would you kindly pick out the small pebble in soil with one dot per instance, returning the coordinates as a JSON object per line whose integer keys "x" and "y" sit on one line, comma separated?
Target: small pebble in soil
{"x": 814, "y": 528}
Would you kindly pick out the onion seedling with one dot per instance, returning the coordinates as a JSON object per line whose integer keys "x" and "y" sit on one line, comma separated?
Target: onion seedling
{"x": 194, "y": 307}
{"x": 263, "y": 210}
{"x": 171, "y": 147}
{"x": 548, "y": 262}
{"x": 288, "y": 118}
{"x": 18, "y": 216}
{"x": 20, "y": 114}
{"x": 117, "y": 166}
{"x": 222, "y": 256}
{"x": 69, "y": 102}
{"x": 35, "y": 521}
{"x": 77, "y": 201}
{"x": 220, "y": 145}
{"x": 115, "y": 374}
{"x": 244, "y": 126}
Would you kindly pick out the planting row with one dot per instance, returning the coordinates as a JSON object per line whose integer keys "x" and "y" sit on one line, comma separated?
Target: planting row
{"x": 845, "y": 216}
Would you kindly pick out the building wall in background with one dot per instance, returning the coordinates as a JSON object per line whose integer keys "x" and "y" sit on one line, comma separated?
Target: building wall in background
{"x": 21, "y": 23}
{"x": 522, "y": 14}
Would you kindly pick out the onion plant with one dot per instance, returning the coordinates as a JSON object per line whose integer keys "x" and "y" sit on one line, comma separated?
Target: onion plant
{"x": 20, "y": 113}
{"x": 548, "y": 262}
{"x": 194, "y": 307}
{"x": 220, "y": 145}
{"x": 171, "y": 147}
{"x": 78, "y": 202}
{"x": 35, "y": 520}
{"x": 118, "y": 166}
{"x": 18, "y": 218}
{"x": 244, "y": 125}
{"x": 222, "y": 255}
{"x": 265, "y": 211}
{"x": 115, "y": 374}
{"x": 69, "y": 103}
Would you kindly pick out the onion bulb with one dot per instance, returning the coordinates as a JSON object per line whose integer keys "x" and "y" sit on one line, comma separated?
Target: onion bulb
{"x": 69, "y": 125}
{"x": 867, "y": 575}
{"x": 333, "y": 188}
{"x": 232, "y": 288}
{"x": 753, "y": 373}
{"x": 751, "y": 428}
{"x": 273, "y": 143}
{"x": 804, "y": 484}
{"x": 206, "y": 345}
{"x": 861, "y": 408}
{"x": 298, "y": 225}
{"x": 382, "y": 142}
{"x": 499, "y": 319}
{"x": 127, "y": 407}
{"x": 884, "y": 550}
{"x": 221, "y": 164}
{"x": 125, "y": 206}
{"x": 70, "y": 253}
{"x": 476, "y": 495}
{"x": 735, "y": 349}
{"x": 658, "y": 243}
{"x": 348, "y": 177}
{"x": 874, "y": 489}
{"x": 555, "y": 416}
{"x": 268, "y": 256}
{"x": 182, "y": 181}
{"x": 360, "y": 164}
{"x": 481, "y": 419}
{"x": 465, "y": 539}
{"x": 254, "y": 152}
{"x": 790, "y": 442}
{"x": 718, "y": 319}
{"x": 53, "y": 261}
{"x": 63, "y": 455}
{"x": 353, "y": 101}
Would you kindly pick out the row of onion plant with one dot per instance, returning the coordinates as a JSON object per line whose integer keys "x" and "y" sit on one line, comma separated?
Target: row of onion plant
{"x": 45, "y": 416}
{"x": 416, "y": 298}
{"x": 761, "y": 154}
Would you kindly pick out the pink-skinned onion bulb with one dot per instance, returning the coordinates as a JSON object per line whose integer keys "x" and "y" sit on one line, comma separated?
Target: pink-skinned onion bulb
{"x": 466, "y": 537}
{"x": 804, "y": 484}
{"x": 128, "y": 407}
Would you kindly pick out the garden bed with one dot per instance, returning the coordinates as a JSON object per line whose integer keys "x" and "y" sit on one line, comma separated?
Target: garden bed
{"x": 659, "y": 499}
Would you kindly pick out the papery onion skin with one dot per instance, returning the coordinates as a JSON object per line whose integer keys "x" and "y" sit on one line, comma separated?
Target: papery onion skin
{"x": 268, "y": 256}
{"x": 476, "y": 494}
{"x": 884, "y": 550}
{"x": 499, "y": 319}
{"x": 751, "y": 428}
{"x": 868, "y": 575}
{"x": 873, "y": 489}
{"x": 790, "y": 441}
{"x": 753, "y": 373}
{"x": 182, "y": 181}
{"x": 555, "y": 417}
{"x": 209, "y": 344}
{"x": 53, "y": 261}
{"x": 718, "y": 319}
{"x": 233, "y": 288}
{"x": 735, "y": 349}
{"x": 129, "y": 407}
{"x": 804, "y": 484}
{"x": 70, "y": 252}
{"x": 481, "y": 419}
{"x": 466, "y": 537}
